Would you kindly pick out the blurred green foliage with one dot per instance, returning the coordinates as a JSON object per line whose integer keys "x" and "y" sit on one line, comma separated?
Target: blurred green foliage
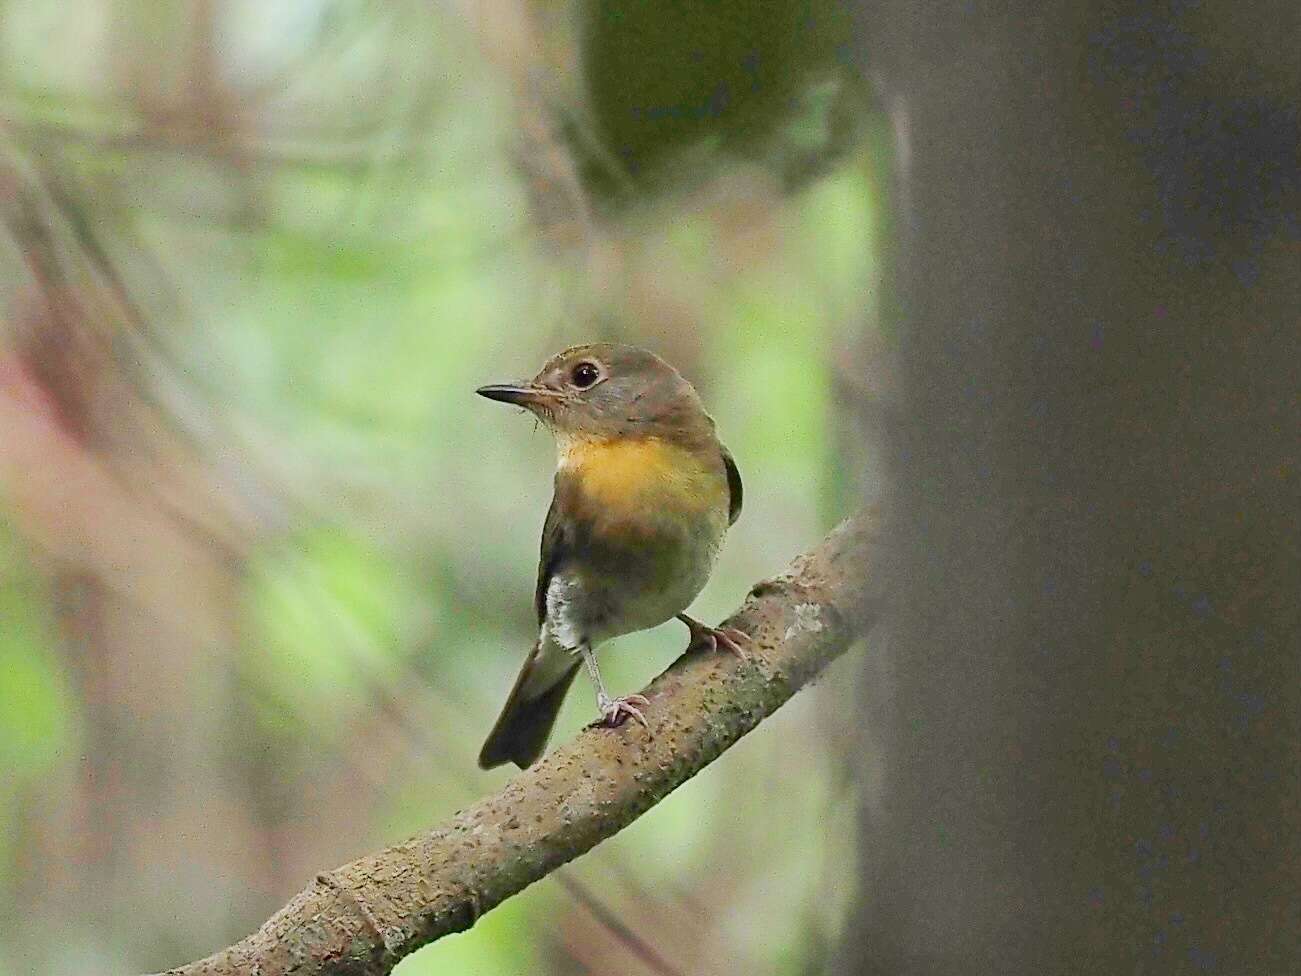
{"x": 36, "y": 707}
{"x": 669, "y": 75}
{"x": 325, "y": 322}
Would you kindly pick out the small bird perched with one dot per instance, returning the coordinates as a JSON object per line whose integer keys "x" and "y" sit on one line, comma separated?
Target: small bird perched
{"x": 644, "y": 494}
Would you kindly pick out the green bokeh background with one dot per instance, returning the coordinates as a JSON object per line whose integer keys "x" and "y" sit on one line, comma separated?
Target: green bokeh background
{"x": 326, "y": 314}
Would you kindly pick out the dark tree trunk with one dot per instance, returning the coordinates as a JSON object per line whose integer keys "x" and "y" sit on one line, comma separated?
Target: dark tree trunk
{"x": 1083, "y": 717}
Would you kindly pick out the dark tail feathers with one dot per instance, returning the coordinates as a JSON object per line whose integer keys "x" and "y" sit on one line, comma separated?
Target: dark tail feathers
{"x": 526, "y": 720}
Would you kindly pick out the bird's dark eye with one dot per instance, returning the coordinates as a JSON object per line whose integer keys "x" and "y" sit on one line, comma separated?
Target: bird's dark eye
{"x": 585, "y": 374}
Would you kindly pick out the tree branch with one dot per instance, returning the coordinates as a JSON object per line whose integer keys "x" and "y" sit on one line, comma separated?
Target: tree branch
{"x": 360, "y": 919}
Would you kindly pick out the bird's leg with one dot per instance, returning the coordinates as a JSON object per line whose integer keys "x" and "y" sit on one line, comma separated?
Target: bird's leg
{"x": 614, "y": 711}
{"x": 704, "y": 637}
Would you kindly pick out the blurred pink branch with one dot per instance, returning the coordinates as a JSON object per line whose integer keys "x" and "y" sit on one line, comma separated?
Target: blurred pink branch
{"x": 362, "y": 918}
{"x": 68, "y": 502}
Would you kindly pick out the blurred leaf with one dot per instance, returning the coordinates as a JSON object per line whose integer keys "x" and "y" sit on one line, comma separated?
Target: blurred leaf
{"x": 511, "y": 939}
{"x": 324, "y": 612}
{"x": 35, "y": 703}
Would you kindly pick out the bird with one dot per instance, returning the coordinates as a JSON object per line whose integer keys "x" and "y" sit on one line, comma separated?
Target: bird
{"x": 644, "y": 495}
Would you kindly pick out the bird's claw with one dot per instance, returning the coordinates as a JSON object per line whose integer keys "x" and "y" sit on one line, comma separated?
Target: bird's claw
{"x": 616, "y": 711}
{"x": 706, "y": 638}
{"x": 733, "y": 640}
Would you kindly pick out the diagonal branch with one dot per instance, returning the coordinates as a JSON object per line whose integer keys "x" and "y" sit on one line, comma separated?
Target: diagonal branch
{"x": 360, "y": 919}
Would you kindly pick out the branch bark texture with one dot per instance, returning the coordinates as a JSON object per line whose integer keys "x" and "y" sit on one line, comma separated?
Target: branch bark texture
{"x": 360, "y": 919}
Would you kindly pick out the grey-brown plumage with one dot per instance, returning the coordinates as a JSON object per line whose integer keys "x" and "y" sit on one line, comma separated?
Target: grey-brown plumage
{"x": 644, "y": 493}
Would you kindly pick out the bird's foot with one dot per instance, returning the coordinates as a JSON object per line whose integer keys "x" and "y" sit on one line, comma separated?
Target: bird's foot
{"x": 616, "y": 711}
{"x": 706, "y": 638}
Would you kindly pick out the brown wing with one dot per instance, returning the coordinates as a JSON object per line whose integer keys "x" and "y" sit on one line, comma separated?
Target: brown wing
{"x": 555, "y": 549}
{"x": 733, "y": 487}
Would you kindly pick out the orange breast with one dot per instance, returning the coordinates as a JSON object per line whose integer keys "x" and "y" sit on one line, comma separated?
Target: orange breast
{"x": 636, "y": 475}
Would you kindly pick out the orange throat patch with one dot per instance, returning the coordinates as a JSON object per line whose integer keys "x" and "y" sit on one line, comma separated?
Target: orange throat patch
{"x": 635, "y": 474}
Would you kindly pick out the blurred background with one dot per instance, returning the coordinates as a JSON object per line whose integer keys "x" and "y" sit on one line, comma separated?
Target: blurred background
{"x": 266, "y": 563}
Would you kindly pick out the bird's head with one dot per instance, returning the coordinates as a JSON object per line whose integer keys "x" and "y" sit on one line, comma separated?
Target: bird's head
{"x": 605, "y": 391}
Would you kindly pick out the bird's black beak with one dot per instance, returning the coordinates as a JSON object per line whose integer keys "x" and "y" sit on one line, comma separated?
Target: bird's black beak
{"x": 520, "y": 394}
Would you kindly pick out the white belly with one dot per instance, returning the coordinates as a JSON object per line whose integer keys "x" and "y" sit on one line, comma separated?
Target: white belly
{"x": 583, "y": 606}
